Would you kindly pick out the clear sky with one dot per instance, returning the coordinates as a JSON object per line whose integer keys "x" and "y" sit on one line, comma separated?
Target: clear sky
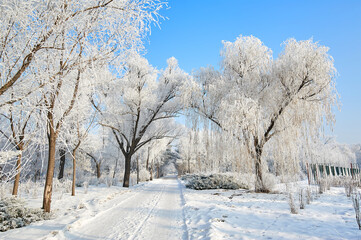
{"x": 194, "y": 31}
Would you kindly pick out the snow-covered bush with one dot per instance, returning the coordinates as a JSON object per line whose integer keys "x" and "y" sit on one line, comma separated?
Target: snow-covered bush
{"x": 85, "y": 185}
{"x": 144, "y": 175}
{"x": 133, "y": 179}
{"x": 93, "y": 181}
{"x": 30, "y": 187}
{"x": 5, "y": 188}
{"x": 322, "y": 186}
{"x": 212, "y": 181}
{"x": 338, "y": 181}
{"x": 246, "y": 180}
{"x": 291, "y": 203}
{"x": 108, "y": 181}
{"x": 350, "y": 186}
{"x": 63, "y": 186}
{"x": 14, "y": 214}
{"x": 269, "y": 181}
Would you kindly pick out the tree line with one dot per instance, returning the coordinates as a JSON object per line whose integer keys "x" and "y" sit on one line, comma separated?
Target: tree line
{"x": 73, "y": 80}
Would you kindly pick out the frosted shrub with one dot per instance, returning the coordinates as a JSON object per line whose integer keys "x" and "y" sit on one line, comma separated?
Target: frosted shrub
{"x": 337, "y": 181}
{"x": 62, "y": 186}
{"x": 246, "y": 180}
{"x": 14, "y": 214}
{"x": 85, "y": 185}
{"x": 81, "y": 205}
{"x": 213, "y": 181}
{"x": 133, "y": 179}
{"x": 356, "y": 205}
{"x": 94, "y": 181}
{"x": 269, "y": 181}
{"x": 349, "y": 187}
{"x": 291, "y": 203}
{"x": 35, "y": 189}
{"x": 4, "y": 189}
{"x": 108, "y": 181}
{"x": 144, "y": 175}
{"x": 27, "y": 186}
{"x": 322, "y": 186}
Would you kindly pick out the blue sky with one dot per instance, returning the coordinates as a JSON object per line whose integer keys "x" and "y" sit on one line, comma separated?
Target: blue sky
{"x": 195, "y": 29}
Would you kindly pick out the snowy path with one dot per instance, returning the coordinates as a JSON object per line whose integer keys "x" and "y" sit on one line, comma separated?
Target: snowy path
{"x": 153, "y": 211}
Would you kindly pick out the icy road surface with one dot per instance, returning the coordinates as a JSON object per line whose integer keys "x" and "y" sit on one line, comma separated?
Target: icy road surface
{"x": 153, "y": 211}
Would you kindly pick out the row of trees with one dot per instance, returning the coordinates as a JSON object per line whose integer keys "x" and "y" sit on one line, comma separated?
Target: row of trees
{"x": 60, "y": 65}
{"x": 73, "y": 81}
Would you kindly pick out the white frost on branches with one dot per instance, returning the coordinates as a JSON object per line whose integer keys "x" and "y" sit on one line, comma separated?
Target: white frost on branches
{"x": 261, "y": 100}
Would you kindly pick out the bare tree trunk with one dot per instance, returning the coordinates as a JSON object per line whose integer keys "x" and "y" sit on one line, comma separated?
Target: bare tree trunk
{"x": 115, "y": 168}
{"x": 259, "y": 186}
{"x": 97, "y": 166}
{"x": 137, "y": 169}
{"x": 17, "y": 177}
{"x": 128, "y": 159}
{"x": 189, "y": 165}
{"x": 151, "y": 171}
{"x": 259, "y": 176}
{"x": 158, "y": 170}
{"x": 50, "y": 172}
{"x": 62, "y": 163}
{"x": 74, "y": 173}
{"x": 147, "y": 163}
{"x": 36, "y": 175}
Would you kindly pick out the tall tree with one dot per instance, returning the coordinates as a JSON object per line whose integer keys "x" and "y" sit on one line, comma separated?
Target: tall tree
{"x": 140, "y": 107}
{"x": 91, "y": 34}
{"x": 258, "y": 99}
{"x": 19, "y": 129}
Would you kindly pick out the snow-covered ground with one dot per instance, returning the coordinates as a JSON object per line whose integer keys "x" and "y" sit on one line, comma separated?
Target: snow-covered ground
{"x": 164, "y": 209}
{"x": 221, "y": 214}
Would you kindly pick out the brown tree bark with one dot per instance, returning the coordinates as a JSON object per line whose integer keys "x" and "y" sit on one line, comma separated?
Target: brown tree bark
{"x": 74, "y": 174}
{"x": 50, "y": 171}
{"x": 62, "y": 163}
{"x": 137, "y": 169}
{"x": 189, "y": 164}
{"x": 151, "y": 172}
{"x": 158, "y": 170}
{"x": 17, "y": 177}
{"x": 97, "y": 166}
{"x": 259, "y": 186}
{"x": 128, "y": 159}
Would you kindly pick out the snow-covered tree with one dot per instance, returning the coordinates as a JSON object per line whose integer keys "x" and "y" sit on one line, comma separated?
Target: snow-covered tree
{"x": 48, "y": 47}
{"x": 260, "y": 100}
{"x": 31, "y": 30}
{"x": 139, "y": 107}
{"x": 19, "y": 126}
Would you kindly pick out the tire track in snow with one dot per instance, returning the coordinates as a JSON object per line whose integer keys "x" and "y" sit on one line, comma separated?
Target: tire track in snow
{"x": 141, "y": 213}
{"x": 115, "y": 222}
{"x": 154, "y": 211}
{"x": 147, "y": 217}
